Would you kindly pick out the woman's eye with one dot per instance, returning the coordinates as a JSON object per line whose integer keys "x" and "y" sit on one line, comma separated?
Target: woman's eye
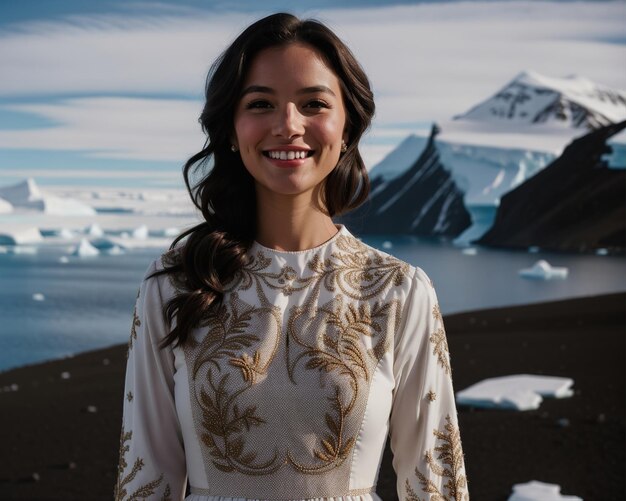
{"x": 317, "y": 103}
{"x": 258, "y": 105}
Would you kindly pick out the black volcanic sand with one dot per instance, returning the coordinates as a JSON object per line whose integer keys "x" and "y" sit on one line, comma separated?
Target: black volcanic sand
{"x": 55, "y": 447}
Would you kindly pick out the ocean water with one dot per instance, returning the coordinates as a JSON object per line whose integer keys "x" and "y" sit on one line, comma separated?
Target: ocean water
{"x": 88, "y": 302}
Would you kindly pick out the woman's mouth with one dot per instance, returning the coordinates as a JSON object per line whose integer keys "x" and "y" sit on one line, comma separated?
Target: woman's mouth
{"x": 288, "y": 154}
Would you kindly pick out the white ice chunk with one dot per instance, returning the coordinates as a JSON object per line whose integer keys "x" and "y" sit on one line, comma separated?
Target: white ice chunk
{"x": 38, "y": 296}
{"x": 387, "y": 244}
{"x": 65, "y": 233}
{"x": 116, "y": 250}
{"x": 94, "y": 230}
{"x": 84, "y": 248}
{"x": 171, "y": 232}
{"x": 519, "y": 392}
{"x": 469, "y": 251}
{"x": 18, "y": 236}
{"x": 64, "y": 259}
{"x": 141, "y": 233}
{"x": 539, "y": 491}
{"x": 5, "y": 206}
{"x": 599, "y": 252}
{"x": 544, "y": 271}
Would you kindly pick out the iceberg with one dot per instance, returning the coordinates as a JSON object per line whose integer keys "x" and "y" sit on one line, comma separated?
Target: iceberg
{"x": 19, "y": 236}
{"x": 544, "y": 271}
{"x": 517, "y": 392}
{"x": 140, "y": 233}
{"x": 26, "y": 195}
{"x": 84, "y": 249}
{"x": 5, "y": 207}
{"x": 539, "y": 491}
{"x": 94, "y": 230}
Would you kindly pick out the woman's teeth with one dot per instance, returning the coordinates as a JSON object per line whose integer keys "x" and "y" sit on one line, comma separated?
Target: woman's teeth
{"x": 287, "y": 155}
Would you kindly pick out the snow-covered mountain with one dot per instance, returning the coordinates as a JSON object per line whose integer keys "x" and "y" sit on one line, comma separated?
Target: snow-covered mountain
{"x": 484, "y": 173}
{"x": 531, "y": 98}
{"x": 423, "y": 200}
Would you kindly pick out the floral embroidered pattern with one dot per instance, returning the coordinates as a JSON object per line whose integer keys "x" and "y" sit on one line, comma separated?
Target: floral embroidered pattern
{"x": 450, "y": 468}
{"x": 142, "y": 492}
{"x": 221, "y": 420}
{"x": 440, "y": 342}
{"x": 133, "y": 329}
{"x": 343, "y": 340}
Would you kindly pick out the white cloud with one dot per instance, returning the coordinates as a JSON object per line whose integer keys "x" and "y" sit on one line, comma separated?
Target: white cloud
{"x": 114, "y": 127}
{"x": 428, "y": 61}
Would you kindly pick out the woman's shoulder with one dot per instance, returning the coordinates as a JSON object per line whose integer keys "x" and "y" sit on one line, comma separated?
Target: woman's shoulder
{"x": 376, "y": 259}
{"x": 163, "y": 273}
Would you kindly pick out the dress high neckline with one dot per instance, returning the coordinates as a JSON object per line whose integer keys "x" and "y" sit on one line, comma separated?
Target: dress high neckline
{"x": 342, "y": 230}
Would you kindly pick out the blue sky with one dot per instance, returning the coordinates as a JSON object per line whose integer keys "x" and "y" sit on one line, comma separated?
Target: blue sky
{"x": 108, "y": 92}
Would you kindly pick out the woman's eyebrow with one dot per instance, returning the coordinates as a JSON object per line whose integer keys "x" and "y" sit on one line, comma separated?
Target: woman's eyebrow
{"x": 307, "y": 90}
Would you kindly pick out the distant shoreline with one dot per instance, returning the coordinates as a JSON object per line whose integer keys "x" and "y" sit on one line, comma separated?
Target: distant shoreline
{"x": 48, "y": 426}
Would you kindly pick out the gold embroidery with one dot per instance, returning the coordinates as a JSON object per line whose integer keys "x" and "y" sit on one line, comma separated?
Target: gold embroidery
{"x": 432, "y": 396}
{"x": 438, "y": 338}
{"x": 133, "y": 329}
{"x": 343, "y": 340}
{"x": 129, "y": 396}
{"x": 411, "y": 494}
{"x": 451, "y": 459}
{"x": 223, "y": 424}
{"x": 216, "y": 423}
{"x": 142, "y": 492}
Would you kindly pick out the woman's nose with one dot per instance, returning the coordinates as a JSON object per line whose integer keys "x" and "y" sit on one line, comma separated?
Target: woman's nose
{"x": 289, "y": 122}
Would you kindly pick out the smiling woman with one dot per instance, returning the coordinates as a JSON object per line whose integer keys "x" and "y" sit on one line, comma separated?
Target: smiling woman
{"x": 271, "y": 351}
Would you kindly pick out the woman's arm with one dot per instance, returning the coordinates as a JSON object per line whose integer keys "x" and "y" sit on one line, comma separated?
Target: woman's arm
{"x": 425, "y": 440}
{"x": 152, "y": 458}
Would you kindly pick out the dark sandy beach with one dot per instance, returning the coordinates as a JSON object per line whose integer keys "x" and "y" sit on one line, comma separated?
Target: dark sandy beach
{"x": 60, "y": 436}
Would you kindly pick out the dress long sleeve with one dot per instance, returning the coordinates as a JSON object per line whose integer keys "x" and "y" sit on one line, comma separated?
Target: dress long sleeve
{"x": 152, "y": 458}
{"x": 425, "y": 439}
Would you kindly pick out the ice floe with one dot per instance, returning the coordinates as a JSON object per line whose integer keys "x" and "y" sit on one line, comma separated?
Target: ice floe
{"x": 544, "y": 271}
{"x": 469, "y": 251}
{"x": 20, "y": 235}
{"x": 518, "y": 392}
{"x": 84, "y": 249}
{"x": 38, "y": 296}
{"x": 539, "y": 491}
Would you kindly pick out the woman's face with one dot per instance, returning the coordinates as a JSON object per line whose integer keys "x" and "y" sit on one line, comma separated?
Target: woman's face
{"x": 290, "y": 120}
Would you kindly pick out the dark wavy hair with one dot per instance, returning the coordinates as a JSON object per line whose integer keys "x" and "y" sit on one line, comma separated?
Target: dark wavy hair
{"x": 216, "y": 249}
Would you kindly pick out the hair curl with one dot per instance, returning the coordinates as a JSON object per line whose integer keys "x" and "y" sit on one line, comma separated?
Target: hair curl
{"x": 216, "y": 249}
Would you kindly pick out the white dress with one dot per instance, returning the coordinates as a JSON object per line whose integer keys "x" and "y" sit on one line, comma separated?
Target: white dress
{"x": 289, "y": 390}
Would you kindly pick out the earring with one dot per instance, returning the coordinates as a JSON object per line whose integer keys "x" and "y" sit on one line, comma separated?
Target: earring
{"x": 344, "y": 146}
{"x": 234, "y": 148}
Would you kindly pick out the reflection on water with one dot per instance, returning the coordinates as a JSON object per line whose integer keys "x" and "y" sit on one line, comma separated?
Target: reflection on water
{"x": 87, "y": 303}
